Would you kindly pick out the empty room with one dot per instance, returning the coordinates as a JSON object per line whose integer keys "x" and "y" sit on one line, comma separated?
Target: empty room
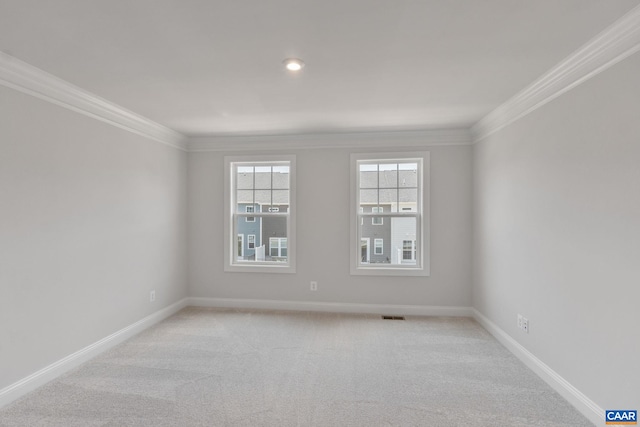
{"x": 319, "y": 213}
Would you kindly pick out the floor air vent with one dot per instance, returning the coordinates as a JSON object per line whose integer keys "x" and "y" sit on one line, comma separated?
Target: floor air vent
{"x": 393, "y": 317}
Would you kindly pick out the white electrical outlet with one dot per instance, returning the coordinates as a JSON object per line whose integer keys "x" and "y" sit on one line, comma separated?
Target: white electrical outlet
{"x": 152, "y": 296}
{"x": 313, "y": 286}
{"x": 519, "y": 321}
{"x": 525, "y": 324}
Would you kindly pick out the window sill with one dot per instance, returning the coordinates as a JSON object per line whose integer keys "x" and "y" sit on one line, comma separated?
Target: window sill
{"x": 260, "y": 268}
{"x": 389, "y": 271}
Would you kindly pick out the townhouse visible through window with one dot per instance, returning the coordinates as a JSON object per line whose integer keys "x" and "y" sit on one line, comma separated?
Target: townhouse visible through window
{"x": 389, "y": 199}
{"x": 259, "y": 200}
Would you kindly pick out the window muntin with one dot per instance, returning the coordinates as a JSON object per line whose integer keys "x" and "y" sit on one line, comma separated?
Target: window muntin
{"x": 259, "y": 201}
{"x": 389, "y": 196}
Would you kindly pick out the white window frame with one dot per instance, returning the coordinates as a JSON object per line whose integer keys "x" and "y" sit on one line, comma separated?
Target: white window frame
{"x": 249, "y": 242}
{"x": 378, "y": 244}
{"x": 422, "y": 264}
{"x": 230, "y": 262}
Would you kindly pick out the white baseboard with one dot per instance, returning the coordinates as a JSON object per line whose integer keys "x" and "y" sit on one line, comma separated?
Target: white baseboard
{"x": 44, "y": 375}
{"x": 331, "y": 307}
{"x": 582, "y": 403}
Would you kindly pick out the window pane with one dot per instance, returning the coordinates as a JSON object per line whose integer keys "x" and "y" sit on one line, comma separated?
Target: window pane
{"x": 368, "y": 197}
{"x": 408, "y": 199}
{"x": 244, "y": 177}
{"x": 244, "y": 196}
{"x": 368, "y": 176}
{"x": 403, "y": 241}
{"x": 275, "y": 231}
{"x": 264, "y": 240}
{"x": 389, "y": 196}
{"x": 408, "y": 175}
{"x": 244, "y": 229}
{"x": 387, "y": 241}
{"x": 263, "y": 197}
{"x": 388, "y": 175}
{"x": 263, "y": 177}
{"x": 281, "y": 177}
{"x": 280, "y": 197}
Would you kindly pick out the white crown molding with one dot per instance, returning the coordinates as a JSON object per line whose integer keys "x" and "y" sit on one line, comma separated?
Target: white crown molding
{"x": 331, "y": 307}
{"x": 28, "y": 79}
{"x": 617, "y": 42}
{"x": 383, "y": 140}
{"x": 579, "y": 400}
{"x": 51, "y": 372}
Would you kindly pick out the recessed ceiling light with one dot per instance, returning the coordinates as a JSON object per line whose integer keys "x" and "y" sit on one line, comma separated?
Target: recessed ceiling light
{"x": 293, "y": 64}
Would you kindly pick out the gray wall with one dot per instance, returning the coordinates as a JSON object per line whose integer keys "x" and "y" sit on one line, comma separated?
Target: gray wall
{"x": 557, "y": 233}
{"x": 323, "y": 235}
{"x": 91, "y": 219}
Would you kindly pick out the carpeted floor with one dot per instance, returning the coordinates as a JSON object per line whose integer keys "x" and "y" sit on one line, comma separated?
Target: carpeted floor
{"x": 206, "y": 367}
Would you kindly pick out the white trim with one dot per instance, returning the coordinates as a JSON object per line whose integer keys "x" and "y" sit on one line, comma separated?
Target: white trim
{"x": 617, "y": 42}
{"x": 43, "y": 376}
{"x": 581, "y": 402}
{"x": 360, "y": 140}
{"x": 33, "y": 81}
{"x": 331, "y": 307}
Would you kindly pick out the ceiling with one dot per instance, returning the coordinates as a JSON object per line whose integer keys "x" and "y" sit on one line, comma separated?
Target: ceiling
{"x": 204, "y": 67}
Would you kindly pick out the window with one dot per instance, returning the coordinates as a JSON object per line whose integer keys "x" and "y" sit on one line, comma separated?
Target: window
{"x": 250, "y": 209}
{"x": 389, "y": 207}
{"x": 408, "y": 250}
{"x": 278, "y": 247}
{"x": 260, "y": 207}
{"x": 364, "y": 250}
{"x": 240, "y": 245}
{"x": 378, "y": 246}
{"x": 377, "y": 220}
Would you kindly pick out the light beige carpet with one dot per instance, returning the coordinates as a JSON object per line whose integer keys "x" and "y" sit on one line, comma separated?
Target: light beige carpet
{"x": 205, "y": 367}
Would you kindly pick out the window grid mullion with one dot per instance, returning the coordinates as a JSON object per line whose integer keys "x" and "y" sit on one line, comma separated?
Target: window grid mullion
{"x": 397, "y": 187}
